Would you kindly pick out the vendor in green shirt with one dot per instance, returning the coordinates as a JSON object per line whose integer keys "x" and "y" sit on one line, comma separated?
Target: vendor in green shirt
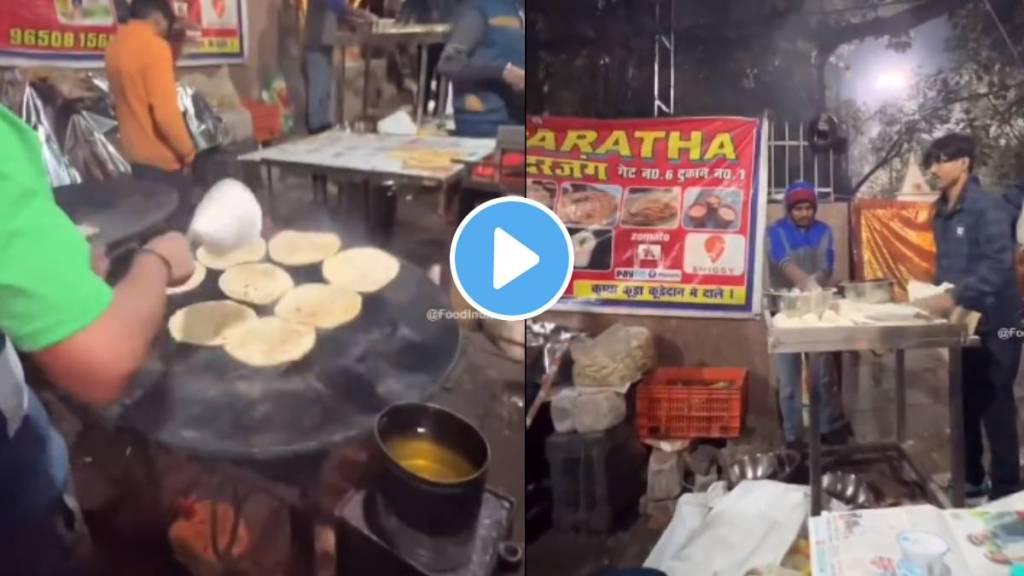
{"x": 87, "y": 337}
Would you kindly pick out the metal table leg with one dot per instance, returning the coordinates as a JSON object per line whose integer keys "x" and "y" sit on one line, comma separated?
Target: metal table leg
{"x": 814, "y": 444}
{"x": 901, "y": 396}
{"x": 422, "y": 87}
{"x": 303, "y": 531}
{"x": 956, "y": 428}
{"x": 366, "y": 80}
{"x": 340, "y": 87}
{"x": 270, "y": 188}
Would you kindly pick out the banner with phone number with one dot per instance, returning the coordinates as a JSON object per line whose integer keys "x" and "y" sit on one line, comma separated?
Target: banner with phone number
{"x": 75, "y": 33}
{"x": 666, "y": 215}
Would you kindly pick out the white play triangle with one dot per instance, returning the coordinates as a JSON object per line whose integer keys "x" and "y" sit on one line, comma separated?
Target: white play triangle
{"x": 512, "y": 259}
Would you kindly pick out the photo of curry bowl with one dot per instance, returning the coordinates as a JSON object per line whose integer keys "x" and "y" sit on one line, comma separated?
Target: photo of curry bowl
{"x": 543, "y": 191}
{"x": 589, "y": 205}
{"x": 651, "y": 207}
{"x": 712, "y": 209}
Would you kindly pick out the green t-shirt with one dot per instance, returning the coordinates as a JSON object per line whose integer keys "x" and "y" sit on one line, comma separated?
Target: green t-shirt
{"x": 48, "y": 291}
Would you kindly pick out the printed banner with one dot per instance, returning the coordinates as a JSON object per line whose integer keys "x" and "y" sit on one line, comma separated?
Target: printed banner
{"x": 75, "y": 33}
{"x": 666, "y": 215}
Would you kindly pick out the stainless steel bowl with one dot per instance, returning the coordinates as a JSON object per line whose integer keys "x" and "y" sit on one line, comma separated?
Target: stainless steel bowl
{"x": 764, "y": 466}
{"x": 869, "y": 291}
{"x": 799, "y": 303}
{"x": 849, "y": 489}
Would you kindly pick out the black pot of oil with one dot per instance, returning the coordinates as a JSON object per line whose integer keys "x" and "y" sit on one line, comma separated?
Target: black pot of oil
{"x": 431, "y": 470}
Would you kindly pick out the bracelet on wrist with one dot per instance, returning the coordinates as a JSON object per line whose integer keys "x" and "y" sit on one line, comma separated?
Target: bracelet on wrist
{"x": 162, "y": 258}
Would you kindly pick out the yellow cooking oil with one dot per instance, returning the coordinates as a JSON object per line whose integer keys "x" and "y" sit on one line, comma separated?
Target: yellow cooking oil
{"x": 427, "y": 458}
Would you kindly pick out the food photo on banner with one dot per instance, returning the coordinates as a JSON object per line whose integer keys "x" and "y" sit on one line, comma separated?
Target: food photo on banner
{"x": 666, "y": 216}
{"x": 75, "y": 33}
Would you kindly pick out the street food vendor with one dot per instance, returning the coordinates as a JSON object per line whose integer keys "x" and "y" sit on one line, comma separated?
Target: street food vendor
{"x": 322, "y": 20}
{"x": 140, "y": 67}
{"x": 485, "y": 58}
{"x": 801, "y": 255}
{"x": 974, "y": 240}
{"x": 86, "y": 337}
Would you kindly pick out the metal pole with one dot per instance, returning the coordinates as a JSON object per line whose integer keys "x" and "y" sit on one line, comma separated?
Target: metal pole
{"x": 422, "y": 87}
{"x": 901, "y": 396}
{"x": 956, "y": 428}
{"x": 815, "y": 442}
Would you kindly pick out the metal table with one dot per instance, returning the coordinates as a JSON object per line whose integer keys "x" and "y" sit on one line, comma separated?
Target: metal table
{"x": 416, "y": 35}
{"x": 899, "y": 338}
{"x": 369, "y": 159}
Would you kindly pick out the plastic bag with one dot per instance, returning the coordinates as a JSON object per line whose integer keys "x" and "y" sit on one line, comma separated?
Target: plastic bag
{"x": 89, "y": 150}
{"x": 275, "y": 91}
{"x": 59, "y": 169}
{"x": 203, "y": 123}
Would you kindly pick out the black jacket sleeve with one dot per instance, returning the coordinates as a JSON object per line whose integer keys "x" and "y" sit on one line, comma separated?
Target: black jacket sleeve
{"x": 459, "y": 61}
{"x": 980, "y": 290}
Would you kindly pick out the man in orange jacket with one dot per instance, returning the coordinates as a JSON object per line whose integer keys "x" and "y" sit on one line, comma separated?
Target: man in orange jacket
{"x": 140, "y": 67}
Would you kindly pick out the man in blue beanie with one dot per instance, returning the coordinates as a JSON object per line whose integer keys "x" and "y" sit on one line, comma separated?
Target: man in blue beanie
{"x": 801, "y": 255}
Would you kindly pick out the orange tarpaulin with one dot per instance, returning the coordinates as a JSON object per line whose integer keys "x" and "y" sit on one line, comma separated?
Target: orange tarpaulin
{"x": 893, "y": 239}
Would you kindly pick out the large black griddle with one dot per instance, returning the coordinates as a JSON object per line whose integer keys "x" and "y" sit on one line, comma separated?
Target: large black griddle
{"x": 123, "y": 209}
{"x": 202, "y": 401}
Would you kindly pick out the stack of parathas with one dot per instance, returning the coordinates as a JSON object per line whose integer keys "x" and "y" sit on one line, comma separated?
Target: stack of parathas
{"x": 290, "y": 334}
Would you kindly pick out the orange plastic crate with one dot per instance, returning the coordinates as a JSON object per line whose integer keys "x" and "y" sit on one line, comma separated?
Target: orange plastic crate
{"x": 686, "y": 402}
{"x": 266, "y": 120}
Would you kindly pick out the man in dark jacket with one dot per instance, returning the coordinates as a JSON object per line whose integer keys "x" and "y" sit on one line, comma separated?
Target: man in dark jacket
{"x": 485, "y": 57}
{"x": 975, "y": 249}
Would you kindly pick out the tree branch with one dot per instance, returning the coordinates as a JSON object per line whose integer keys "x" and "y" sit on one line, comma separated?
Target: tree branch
{"x": 829, "y": 38}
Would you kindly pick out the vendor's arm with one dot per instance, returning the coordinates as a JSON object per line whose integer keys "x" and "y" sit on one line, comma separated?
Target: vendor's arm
{"x": 978, "y": 291}
{"x": 162, "y": 93}
{"x": 778, "y": 254}
{"x": 346, "y": 13}
{"x": 88, "y": 338}
{"x": 825, "y": 259}
{"x": 459, "y": 61}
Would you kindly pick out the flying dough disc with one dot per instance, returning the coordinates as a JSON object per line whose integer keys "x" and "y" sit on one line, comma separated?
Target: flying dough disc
{"x": 364, "y": 270}
{"x": 294, "y": 248}
{"x": 320, "y": 305}
{"x": 269, "y": 341}
{"x": 257, "y": 283}
{"x": 205, "y": 323}
{"x": 193, "y": 282}
{"x": 251, "y": 253}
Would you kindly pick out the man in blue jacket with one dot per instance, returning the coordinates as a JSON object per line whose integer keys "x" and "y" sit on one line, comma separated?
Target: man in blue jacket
{"x": 801, "y": 255}
{"x": 485, "y": 57}
{"x": 975, "y": 248}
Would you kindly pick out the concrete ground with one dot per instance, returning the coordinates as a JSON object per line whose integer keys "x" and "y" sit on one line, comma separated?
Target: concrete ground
{"x": 870, "y": 406}
{"x": 128, "y": 515}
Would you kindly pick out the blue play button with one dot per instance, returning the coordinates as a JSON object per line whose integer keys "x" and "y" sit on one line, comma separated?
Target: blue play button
{"x": 511, "y": 258}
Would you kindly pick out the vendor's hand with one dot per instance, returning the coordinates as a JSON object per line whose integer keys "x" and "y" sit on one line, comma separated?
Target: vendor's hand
{"x": 175, "y": 248}
{"x": 363, "y": 16}
{"x": 940, "y": 305}
{"x": 809, "y": 284}
{"x": 98, "y": 260}
{"x": 515, "y": 77}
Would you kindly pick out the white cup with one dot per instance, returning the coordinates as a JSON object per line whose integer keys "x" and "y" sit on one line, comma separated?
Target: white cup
{"x": 924, "y": 552}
